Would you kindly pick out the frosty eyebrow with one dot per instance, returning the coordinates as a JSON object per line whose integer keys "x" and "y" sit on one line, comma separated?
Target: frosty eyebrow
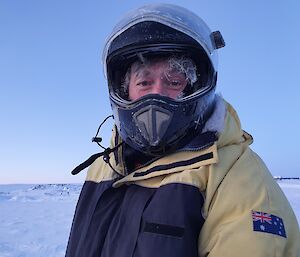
{"x": 141, "y": 72}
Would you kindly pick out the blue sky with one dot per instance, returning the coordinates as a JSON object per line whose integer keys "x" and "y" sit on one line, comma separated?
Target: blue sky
{"x": 53, "y": 93}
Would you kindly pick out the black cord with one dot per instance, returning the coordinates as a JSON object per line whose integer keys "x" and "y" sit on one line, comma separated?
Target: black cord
{"x": 86, "y": 163}
{"x": 107, "y": 151}
{"x": 106, "y": 157}
{"x": 99, "y": 139}
{"x": 90, "y": 160}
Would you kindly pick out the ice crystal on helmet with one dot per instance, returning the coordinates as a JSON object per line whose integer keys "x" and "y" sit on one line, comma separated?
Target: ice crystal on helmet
{"x": 184, "y": 65}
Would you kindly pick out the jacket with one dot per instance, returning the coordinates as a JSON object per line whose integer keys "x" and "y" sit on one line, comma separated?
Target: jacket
{"x": 216, "y": 198}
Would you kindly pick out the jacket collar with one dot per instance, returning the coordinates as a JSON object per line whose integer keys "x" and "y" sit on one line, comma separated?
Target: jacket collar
{"x": 173, "y": 163}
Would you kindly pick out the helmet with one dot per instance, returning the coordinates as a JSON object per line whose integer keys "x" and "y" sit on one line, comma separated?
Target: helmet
{"x": 156, "y": 124}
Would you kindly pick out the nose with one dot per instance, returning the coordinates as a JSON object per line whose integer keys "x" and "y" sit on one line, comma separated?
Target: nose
{"x": 158, "y": 88}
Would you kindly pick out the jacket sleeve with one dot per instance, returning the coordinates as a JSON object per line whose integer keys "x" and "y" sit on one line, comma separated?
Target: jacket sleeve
{"x": 249, "y": 215}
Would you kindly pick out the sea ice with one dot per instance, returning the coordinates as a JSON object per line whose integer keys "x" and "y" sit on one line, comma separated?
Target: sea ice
{"x": 35, "y": 220}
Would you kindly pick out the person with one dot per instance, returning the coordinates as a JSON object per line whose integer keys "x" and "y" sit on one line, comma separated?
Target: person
{"x": 179, "y": 178}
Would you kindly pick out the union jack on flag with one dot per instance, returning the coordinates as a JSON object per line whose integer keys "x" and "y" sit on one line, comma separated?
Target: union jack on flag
{"x": 268, "y": 223}
{"x": 262, "y": 217}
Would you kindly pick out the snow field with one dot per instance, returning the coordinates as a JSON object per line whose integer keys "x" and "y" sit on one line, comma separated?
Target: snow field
{"x": 35, "y": 220}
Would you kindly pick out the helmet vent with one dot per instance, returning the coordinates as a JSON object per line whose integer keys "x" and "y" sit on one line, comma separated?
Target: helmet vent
{"x": 153, "y": 122}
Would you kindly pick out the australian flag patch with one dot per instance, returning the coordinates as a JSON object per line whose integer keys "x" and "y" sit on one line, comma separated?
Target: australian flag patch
{"x": 268, "y": 223}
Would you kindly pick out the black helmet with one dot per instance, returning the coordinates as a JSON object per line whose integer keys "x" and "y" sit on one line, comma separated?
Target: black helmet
{"x": 155, "y": 124}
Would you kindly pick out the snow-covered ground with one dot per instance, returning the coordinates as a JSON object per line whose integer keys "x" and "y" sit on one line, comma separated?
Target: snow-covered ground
{"x": 291, "y": 188}
{"x": 35, "y": 220}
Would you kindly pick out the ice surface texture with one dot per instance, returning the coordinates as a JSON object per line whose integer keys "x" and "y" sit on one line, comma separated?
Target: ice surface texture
{"x": 35, "y": 220}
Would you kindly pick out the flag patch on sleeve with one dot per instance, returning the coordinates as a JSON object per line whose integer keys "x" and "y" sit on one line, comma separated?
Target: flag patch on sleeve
{"x": 268, "y": 223}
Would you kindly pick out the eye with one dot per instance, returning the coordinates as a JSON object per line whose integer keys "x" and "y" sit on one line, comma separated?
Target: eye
{"x": 175, "y": 80}
{"x": 175, "y": 83}
{"x": 144, "y": 83}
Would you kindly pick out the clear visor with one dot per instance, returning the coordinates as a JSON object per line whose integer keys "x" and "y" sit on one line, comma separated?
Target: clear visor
{"x": 177, "y": 75}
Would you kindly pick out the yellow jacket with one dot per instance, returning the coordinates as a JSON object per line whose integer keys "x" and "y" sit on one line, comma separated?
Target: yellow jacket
{"x": 241, "y": 202}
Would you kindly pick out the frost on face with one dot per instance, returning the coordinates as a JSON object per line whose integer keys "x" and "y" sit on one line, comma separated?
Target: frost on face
{"x": 177, "y": 64}
{"x": 185, "y": 66}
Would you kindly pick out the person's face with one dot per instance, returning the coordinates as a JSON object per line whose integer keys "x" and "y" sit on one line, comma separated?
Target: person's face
{"x": 156, "y": 78}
